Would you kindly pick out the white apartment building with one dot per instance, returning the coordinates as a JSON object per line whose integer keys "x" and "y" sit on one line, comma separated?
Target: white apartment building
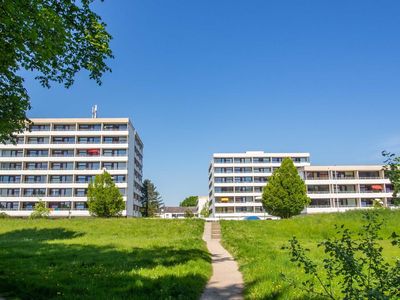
{"x": 236, "y": 181}
{"x": 56, "y": 159}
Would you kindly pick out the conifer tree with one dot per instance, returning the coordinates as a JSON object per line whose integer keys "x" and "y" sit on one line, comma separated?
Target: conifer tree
{"x": 285, "y": 195}
{"x": 151, "y": 201}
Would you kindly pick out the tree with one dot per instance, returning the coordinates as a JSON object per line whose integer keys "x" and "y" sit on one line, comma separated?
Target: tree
{"x": 285, "y": 195}
{"x": 53, "y": 38}
{"x": 392, "y": 171}
{"x": 151, "y": 201}
{"x": 189, "y": 201}
{"x": 189, "y": 214}
{"x": 40, "y": 210}
{"x": 104, "y": 198}
{"x": 205, "y": 211}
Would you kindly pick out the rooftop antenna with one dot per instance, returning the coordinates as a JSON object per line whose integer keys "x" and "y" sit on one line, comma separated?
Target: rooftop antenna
{"x": 94, "y": 111}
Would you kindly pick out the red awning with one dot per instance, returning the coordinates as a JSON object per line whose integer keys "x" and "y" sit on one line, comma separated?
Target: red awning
{"x": 377, "y": 187}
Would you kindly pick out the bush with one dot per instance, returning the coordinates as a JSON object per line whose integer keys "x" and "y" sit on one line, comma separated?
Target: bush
{"x": 3, "y": 215}
{"x": 40, "y": 211}
{"x": 354, "y": 268}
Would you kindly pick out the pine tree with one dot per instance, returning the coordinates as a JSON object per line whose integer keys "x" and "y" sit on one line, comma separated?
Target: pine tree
{"x": 285, "y": 195}
{"x": 104, "y": 198}
{"x": 151, "y": 202}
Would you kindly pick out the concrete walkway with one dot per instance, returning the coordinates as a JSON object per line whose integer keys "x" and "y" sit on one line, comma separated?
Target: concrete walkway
{"x": 226, "y": 281}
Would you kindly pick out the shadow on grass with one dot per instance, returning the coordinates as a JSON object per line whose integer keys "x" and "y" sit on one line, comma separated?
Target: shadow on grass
{"x": 33, "y": 267}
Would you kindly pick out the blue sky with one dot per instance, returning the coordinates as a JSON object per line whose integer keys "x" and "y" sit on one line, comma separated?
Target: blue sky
{"x": 198, "y": 77}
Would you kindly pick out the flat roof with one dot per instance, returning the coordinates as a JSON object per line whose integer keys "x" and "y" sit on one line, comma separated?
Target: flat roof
{"x": 261, "y": 153}
{"x": 75, "y": 120}
{"x": 344, "y": 168}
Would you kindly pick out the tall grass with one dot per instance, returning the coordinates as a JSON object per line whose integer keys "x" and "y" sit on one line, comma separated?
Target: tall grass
{"x": 258, "y": 247}
{"x": 102, "y": 259}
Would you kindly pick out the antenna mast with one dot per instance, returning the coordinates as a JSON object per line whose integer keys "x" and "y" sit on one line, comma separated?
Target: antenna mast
{"x": 94, "y": 111}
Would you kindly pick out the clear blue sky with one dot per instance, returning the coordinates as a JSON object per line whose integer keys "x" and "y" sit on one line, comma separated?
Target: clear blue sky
{"x": 198, "y": 77}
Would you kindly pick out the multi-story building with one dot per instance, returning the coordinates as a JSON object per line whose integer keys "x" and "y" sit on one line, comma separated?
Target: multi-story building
{"x": 56, "y": 159}
{"x": 236, "y": 181}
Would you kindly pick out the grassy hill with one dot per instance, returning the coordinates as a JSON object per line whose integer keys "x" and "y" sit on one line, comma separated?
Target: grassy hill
{"x": 102, "y": 259}
{"x": 257, "y": 245}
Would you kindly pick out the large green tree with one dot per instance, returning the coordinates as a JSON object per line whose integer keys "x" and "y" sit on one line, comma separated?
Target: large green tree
{"x": 285, "y": 195}
{"x": 151, "y": 199}
{"x": 392, "y": 171}
{"x": 55, "y": 39}
{"x": 189, "y": 201}
{"x": 104, "y": 198}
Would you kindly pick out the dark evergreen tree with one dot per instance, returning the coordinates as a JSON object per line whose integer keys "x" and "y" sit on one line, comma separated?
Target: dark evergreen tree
{"x": 285, "y": 195}
{"x": 151, "y": 201}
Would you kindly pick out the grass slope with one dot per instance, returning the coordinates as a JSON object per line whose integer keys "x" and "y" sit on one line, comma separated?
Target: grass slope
{"x": 102, "y": 259}
{"x": 257, "y": 245}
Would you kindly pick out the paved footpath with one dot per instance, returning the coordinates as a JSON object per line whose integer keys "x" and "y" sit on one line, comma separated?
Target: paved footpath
{"x": 226, "y": 281}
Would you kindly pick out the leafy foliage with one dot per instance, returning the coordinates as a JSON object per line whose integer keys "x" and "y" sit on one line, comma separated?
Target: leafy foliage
{"x": 392, "y": 170}
{"x": 355, "y": 266}
{"x": 53, "y": 38}
{"x": 40, "y": 210}
{"x": 189, "y": 214}
{"x": 190, "y": 201}
{"x": 205, "y": 211}
{"x": 151, "y": 201}
{"x": 285, "y": 194}
{"x": 3, "y": 215}
{"x": 104, "y": 198}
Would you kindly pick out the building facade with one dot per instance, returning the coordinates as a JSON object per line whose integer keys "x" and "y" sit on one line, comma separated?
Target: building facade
{"x": 236, "y": 181}
{"x": 56, "y": 159}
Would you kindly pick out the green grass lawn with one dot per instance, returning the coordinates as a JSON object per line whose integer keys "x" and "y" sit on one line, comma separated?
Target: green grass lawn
{"x": 257, "y": 245}
{"x": 102, "y": 259}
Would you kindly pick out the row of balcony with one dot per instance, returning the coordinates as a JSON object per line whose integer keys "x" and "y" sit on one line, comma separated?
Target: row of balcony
{"x": 55, "y": 178}
{"x": 50, "y": 192}
{"x": 63, "y": 152}
{"x": 30, "y": 166}
{"x": 79, "y": 127}
{"x": 42, "y": 140}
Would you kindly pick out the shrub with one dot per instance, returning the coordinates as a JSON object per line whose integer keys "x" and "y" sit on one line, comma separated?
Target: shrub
{"x": 40, "y": 210}
{"x": 354, "y": 268}
{"x": 3, "y": 215}
{"x": 189, "y": 214}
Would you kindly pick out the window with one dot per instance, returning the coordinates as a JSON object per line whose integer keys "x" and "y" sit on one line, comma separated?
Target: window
{"x": 223, "y": 170}
{"x": 114, "y": 152}
{"x": 10, "y": 166}
{"x": 9, "y": 205}
{"x": 114, "y": 165}
{"x": 261, "y": 159}
{"x": 28, "y": 205}
{"x": 223, "y": 160}
{"x": 223, "y": 179}
{"x": 87, "y": 165}
{"x": 9, "y": 192}
{"x": 260, "y": 179}
{"x": 262, "y": 170}
{"x": 122, "y": 191}
{"x": 80, "y": 205}
{"x": 243, "y": 189}
{"x": 90, "y": 127}
{"x": 11, "y": 153}
{"x": 243, "y": 179}
{"x": 39, "y": 127}
{"x": 81, "y": 192}
{"x": 300, "y": 159}
{"x": 60, "y": 179}
{"x": 224, "y": 189}
{"x": 242, "y": 160}
{"x": 60, "y": 192}
{"x": 88, "y": 152}
{"x": 243, "y": 199}
{"x": 62, "y": 152}
{"x": 88, "y": 140}
{"x": 34, "y": 192}
{"x": 277, "y": 159}
{"x": 245, "y": 209}
{"x": 36, "y": 166}
{"x": 38, "y": 140}
{"x": 64, "y": 140}
{"x": 64, "y": 127}
{"x": 65, "y": 205}
{"x": 62, "y": 166}
{"x": 20, "y": 140}
{"x": 84, "y": 178}
{"x": 10, "y": 178}
{"x": 114, "y": 139}
{"x": 110, "y": 127}
{"x": 37, "y": 153}
{"x": 119, "y": 178}
{"x": 35, "y": 179}
{"x": 258, "y": 189}
{"x": 243, "y": 170}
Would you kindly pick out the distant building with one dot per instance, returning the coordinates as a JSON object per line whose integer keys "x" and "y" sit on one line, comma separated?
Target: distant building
{"x": 236, "y": 181}
{"x": 177, "y": 212}
{"x": 57, "y": 158}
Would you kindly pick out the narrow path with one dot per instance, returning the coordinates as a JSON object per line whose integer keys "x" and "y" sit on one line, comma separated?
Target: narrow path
{"x": 226, "y": 281}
